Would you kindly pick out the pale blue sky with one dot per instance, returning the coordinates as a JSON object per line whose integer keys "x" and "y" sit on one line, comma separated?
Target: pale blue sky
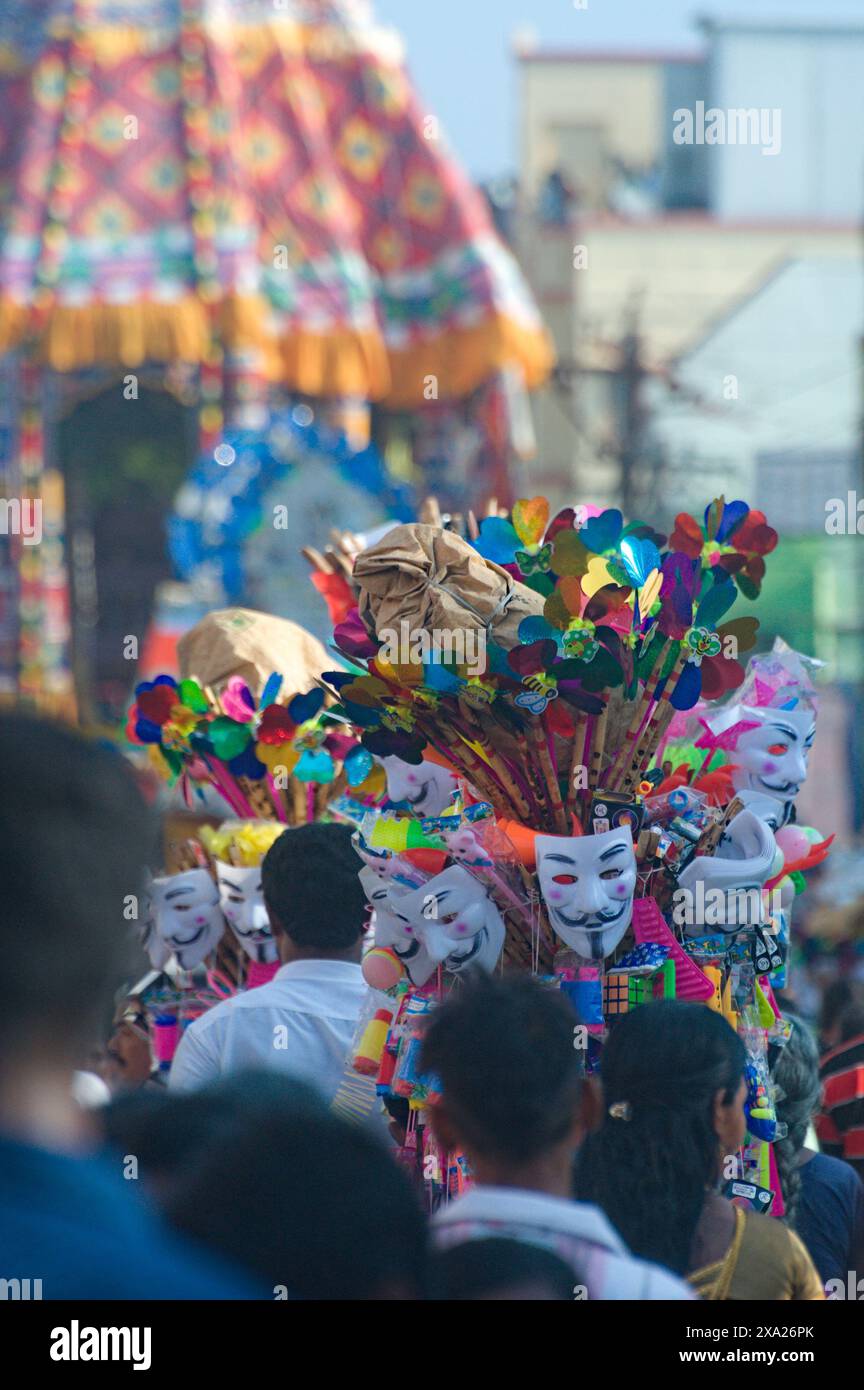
{"x": 459, "y": 51}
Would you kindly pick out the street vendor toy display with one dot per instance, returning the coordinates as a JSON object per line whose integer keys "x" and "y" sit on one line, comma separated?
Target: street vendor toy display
{"x": 613, "y": 861}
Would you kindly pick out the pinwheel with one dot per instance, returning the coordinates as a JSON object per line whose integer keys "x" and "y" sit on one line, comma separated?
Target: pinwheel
{"x": 734, "y": 537}
{"x": 711, "y": 651}
{"x": 578, "y": 646}
{"x": 520, "y": 544}
{"x": 232, "y": 741}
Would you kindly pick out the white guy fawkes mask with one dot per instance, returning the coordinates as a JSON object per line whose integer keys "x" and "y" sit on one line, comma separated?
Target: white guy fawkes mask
{"x": 426, "y": 788}
{"x": 724, "y": 890}
{"x": 773, "y": 812}
{"x": 455, "y": 919}
{"x": 392, "y": 932}
{"x": 156, "y": 948}
{"x": 588, "y": 882}
{"x": 184, "y": 919}
{"x": 243, "y": 904}
{"x": 772, "y": 758}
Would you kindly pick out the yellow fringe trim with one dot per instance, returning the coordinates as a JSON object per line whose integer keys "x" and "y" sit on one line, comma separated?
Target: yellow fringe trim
{"x": 334, "y": 364}
{"x": 462, "y": 359}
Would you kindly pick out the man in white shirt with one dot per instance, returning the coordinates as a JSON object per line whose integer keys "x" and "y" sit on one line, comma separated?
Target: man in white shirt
{"x": 303, "y": 1021}
{"x": 513, "y": 1101}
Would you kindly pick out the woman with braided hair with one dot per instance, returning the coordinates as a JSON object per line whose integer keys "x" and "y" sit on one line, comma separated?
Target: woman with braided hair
{"x": 673, "y": 1097}
{"x": 824, "y": 1196}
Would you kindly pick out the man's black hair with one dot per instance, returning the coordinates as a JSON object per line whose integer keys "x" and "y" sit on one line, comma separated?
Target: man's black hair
{"x": 75, "y": 836}
{"x": 306, "y": 1201}
{"x": 499, "y": 1268}
{"x": 504, "y": 1051}
{"x": 311, "y": 887}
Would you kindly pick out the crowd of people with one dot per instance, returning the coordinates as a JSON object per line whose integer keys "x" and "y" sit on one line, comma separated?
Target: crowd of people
{"x": 238, "y": 1180}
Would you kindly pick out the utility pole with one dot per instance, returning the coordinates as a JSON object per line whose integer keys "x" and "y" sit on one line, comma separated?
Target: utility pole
{"x": 631, "y": 448}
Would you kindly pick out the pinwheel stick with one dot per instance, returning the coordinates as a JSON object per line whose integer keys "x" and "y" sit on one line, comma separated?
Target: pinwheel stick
{"x": 278, "y": 799}
{"x": 660, "y": 718}
{"x": 298, "y": 796}
{"x": 504, "y": 753}
{"x": 495, "y": 775}
{"x": 526, "y": 756}
{"x": 489, "y": 781}
{"x": 640, "y": 716}
{"x": 229, "y": 789}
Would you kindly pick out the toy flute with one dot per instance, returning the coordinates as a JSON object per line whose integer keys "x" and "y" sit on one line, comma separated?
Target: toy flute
{"x": 641, "y": 715}
{"x": 659, "y": 720}
{"x": 598, "y": 748}
{"x": 549, "y": 776}
{"x": 578, "y": 759}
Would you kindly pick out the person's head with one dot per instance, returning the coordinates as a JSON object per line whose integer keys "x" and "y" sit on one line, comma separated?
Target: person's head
{"x": 166, "y": 1132}
{"x": 673, "y": 1106}
{"x": 75, "y": 837}
{"x": 796, "y": 1073}
{"x": 312, "y": 1205}
{"x": 314, "y": 898}
{"x": 499, "y": 1269}
{"x": 511, "y": 1092}
{"x": 836, "y": 1000}
{"x": 127, "y": 1062}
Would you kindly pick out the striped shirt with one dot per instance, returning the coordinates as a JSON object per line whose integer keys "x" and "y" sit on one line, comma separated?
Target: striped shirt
{"x": 840, "y": 1125}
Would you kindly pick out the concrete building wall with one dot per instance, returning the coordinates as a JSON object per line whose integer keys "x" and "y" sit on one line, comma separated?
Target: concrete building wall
{"x": 577, "y": 116}
{"x": 768, "y": 404}
{"x": 815, "y": 78}
{"x": 688, "y": 270}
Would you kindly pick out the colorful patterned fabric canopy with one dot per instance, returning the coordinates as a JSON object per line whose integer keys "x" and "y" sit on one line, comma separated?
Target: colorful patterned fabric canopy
{"x": 254, "y": 173}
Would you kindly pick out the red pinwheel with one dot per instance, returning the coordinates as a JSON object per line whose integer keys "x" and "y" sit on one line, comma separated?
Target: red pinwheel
{"x": 752, "y": 540}
{"x": 156, "y": 699}
{"x": 712, "y": 667}
{"x": 276, "y": 726}
{"x": 734, "y": 537}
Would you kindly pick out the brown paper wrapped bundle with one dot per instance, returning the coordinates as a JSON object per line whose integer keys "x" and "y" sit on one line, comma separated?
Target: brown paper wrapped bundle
{"x": 240, "y": 642}
{"x": 433, "y": 581}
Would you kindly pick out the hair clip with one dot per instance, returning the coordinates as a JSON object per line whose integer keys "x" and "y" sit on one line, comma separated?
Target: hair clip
{"x": 621, "y": 1110}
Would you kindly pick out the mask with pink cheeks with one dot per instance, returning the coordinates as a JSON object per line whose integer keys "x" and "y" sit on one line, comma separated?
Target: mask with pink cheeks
{"x": 455, "y": 919}
{"x": 426, "y": 789}
{"x": 242, "y": 899}
{"x": 184, "y": 919}
{"x": 395, "y": 933}
{"x": 771, "y": 759}
{"x": 588, "y": 883}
